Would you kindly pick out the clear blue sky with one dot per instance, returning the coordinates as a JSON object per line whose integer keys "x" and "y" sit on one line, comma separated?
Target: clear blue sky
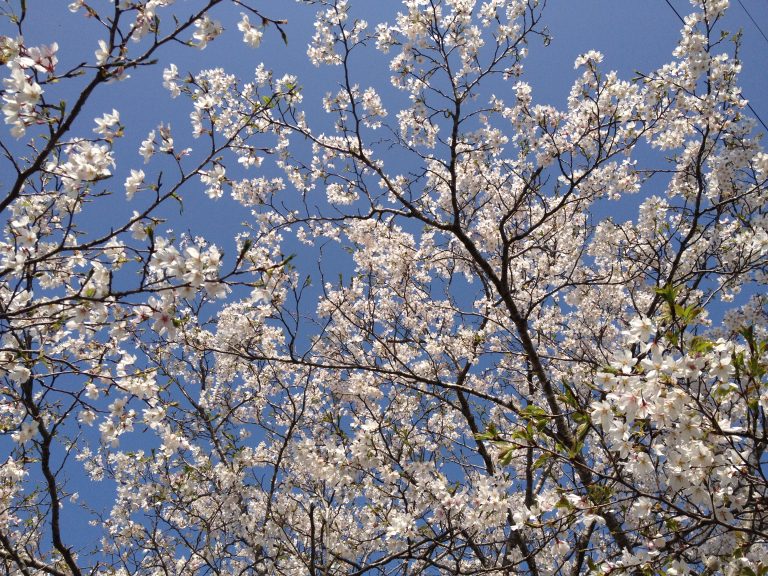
{"x": 633, "y": 35}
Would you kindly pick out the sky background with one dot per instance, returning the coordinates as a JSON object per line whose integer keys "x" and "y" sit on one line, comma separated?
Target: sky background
{"x": 634, "y": 35}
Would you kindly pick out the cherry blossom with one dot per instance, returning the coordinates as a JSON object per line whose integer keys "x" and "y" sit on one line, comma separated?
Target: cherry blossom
{"x": 426, "y": 350}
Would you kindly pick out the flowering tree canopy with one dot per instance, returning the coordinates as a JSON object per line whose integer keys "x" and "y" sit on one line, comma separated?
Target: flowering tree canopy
{"x": 428, "y": 350}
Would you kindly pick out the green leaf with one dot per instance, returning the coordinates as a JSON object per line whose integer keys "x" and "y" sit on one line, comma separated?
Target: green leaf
{"x": 505, "y": 457}
{"x": 599, "y": 494}
{"x": 490, "y": 434}
{"x": 582, "y": 430}
{"x": 700, "y": 345}
{"x": 534, "y": 412}
{"x": 669, "y": 294}
{"x": 541, "y": 461}
{"x": 580, "y": 417}
{"x": 537, "y": 415}
{"x": 524, "y": 434}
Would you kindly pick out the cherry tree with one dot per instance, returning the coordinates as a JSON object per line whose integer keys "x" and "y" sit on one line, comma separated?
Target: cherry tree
{"x": 429, "y": 350}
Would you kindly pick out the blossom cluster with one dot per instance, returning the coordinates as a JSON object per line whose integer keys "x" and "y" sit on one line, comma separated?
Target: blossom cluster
{"x": 433, "y": 346}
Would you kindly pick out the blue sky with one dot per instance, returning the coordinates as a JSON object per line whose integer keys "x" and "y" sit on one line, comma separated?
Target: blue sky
{"x": 633, "y": 35}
